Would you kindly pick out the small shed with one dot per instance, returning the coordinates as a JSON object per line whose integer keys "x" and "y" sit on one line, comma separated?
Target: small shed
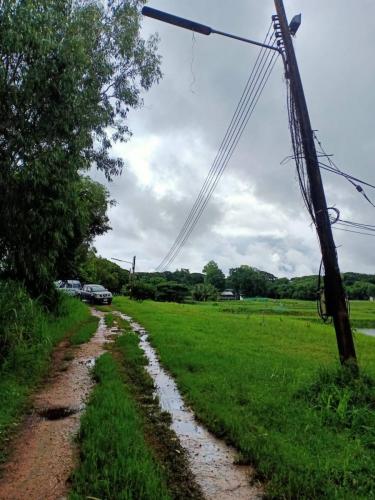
{"x": 227, "y": 295}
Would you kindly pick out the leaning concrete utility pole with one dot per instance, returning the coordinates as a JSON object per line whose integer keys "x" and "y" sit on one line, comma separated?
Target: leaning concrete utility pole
{"x": 333, "y": 286}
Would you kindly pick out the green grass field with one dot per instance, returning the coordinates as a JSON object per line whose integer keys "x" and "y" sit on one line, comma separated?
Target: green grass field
{"x": 362, "y": 313}
{"x": 269, "y": 383}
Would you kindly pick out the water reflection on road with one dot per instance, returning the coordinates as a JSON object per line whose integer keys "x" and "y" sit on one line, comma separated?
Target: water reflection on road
{"x": 367, "y": 331}
{"x": 211, "y": 460}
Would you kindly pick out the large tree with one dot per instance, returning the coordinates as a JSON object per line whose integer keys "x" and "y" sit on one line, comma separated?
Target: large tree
{"x": 214, "y": 275}
{"x": 69, "y": 73}
{"x": 88, "y": 219}
{"x": 249, "y": 281}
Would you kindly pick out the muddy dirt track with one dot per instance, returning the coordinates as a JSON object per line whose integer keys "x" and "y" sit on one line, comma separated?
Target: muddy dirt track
{"x": 44, "y": 453}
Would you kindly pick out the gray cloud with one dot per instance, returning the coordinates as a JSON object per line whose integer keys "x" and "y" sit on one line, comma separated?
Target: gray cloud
{"x": 177, "y": 133}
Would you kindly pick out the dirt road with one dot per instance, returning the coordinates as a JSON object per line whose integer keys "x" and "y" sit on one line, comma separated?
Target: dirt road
{"x": 44, "y": 452}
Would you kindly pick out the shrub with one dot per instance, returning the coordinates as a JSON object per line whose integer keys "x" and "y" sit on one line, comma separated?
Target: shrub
{"x": 140, "y": 290}
{"x": 171, "y": 292}
{"x": 204, "y": 291}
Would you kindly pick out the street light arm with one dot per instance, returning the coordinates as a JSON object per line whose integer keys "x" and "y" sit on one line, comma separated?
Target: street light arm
{"x": 197, "y": 27}
{"x": 177, "y": 21}
{"x": 247, "y": 40}
{"x": 120, "y": 260}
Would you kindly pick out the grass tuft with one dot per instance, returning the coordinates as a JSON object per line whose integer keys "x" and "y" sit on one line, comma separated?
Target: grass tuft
{"x": 124, "y": 423}
{"x": 110, "y": 320}
{"x": 345, "y": 402}
{"x": 84, "y": 331}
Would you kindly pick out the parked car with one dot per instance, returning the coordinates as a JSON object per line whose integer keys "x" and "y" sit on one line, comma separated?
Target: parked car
{"x": 96, "y": 294}
{"x": 71, "y": 287}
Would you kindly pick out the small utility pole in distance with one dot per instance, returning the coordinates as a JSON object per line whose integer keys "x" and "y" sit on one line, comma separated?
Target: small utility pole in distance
{"x": 334, "y": 290}
{"x": 132, "y": 270}
{"x": 132, "y": 274}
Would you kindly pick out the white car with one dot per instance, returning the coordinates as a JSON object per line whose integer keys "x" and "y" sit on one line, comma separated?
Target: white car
{"x": 70, "y": 287}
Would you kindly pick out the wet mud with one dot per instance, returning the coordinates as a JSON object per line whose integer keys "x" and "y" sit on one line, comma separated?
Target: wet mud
{"x": 44, "y": 453}
{"x": 211, "y": 460}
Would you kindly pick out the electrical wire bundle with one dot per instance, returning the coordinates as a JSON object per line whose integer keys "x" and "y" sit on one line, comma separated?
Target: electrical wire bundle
{"x": 298, "y": 153}
{"x": 348, "y": 226}
{"x": 256, "y": 82}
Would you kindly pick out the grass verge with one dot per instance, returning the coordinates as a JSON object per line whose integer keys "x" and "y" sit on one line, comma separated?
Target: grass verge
{"x": 84, "y": 330}
{"x": 127, "y": 449}
{"x": 110, "y": 320}
{"x": 259, "y": 381}
{"x": 28, "y": 359}
{"x": 157, "y": 430}
{"x": 115, "y": 460}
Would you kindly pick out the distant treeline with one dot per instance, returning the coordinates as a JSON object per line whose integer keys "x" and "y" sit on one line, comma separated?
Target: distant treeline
{"x": 248, "y": 281}
{"x": 244, "y": 281}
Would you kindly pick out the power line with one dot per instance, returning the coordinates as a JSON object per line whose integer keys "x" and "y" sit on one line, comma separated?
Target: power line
{"x": 336, "y": 169}
{"x": 219, "y": 172}
{"x": 298, "y": 153}
{"x": 367, "y": 227}
{"x": 324, "y": 166}
{"x": 214, "y": 167}
{"x": 351, "y": 231}
{"x": 216, "y": 180}
{"x": 250, "y": 96}
{"x": 356, "y": 227}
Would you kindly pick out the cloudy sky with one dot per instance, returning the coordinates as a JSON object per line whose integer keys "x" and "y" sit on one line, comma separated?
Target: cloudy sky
{"x": 256, "y": 215}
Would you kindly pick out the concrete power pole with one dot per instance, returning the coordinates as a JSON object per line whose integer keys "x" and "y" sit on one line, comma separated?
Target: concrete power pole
{"x": 132, "y": 274}
{"x": 334, "y": 290}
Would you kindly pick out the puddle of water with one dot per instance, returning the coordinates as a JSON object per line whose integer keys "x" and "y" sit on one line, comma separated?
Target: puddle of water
{"x": 367, "y": 331}
{"x": 211, "y": 460}
{"x": 59, "y": 412}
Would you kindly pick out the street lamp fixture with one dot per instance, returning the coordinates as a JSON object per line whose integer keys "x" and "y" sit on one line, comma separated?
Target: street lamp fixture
{"x": 197, "y": 27}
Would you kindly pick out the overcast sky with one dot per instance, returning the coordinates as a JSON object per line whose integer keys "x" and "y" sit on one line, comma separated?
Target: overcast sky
{"x": 256, "y": 215}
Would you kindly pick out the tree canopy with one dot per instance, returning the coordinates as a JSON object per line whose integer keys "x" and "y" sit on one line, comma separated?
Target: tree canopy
{"x": 96, "y": 269}
{"x": 249, "y": 281}
{"x": 69, "y": 74}
{"x": 214, "y": 276}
